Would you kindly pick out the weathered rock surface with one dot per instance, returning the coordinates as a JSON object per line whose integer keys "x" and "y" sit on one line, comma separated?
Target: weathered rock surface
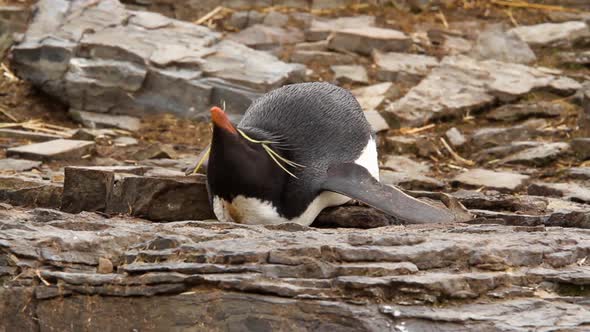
{"x": 13, "y": 19}
{"x": 28, "y": 135}
{"x": 455, "y": 137}
{"x": 371, "y": 97}
{"x": 283, "y": 277}
{"x": 478, "y": 177}
{"x": 123, "y": 190}
{"x": 495, "y": 44}
{"x": 264, "y": 37}
{"x": 322, "y": 57}
{"x": 571, "y": 191}
{"x": 579, "y": 173}
{"x": 105, "y": 58}
{"x": 513, "y": 112}
{"x": 581, "y": 147}
{"x": 23, "y": 191}
{"x": 53, "y": 150}
{"x": 403, "y": 67}
{"x": 468, "y": 84}
{"x": 410, "y": 180}
{"x": 18, "y": 165}
{"x": 494, "y": 136}
{"x": 540, "y": 155}
{"x": 551, "y": 34}
{"x": 350, "y": 74}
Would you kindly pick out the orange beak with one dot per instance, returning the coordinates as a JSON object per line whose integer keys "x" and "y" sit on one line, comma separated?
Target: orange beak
{"x": 221, "y": 120}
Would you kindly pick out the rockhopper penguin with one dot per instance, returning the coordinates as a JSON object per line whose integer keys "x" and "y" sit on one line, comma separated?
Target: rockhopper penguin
{"x": 297, "y": 150}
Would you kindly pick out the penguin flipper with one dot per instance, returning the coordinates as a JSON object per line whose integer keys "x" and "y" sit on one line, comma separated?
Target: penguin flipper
{"x": 356, "y": 182}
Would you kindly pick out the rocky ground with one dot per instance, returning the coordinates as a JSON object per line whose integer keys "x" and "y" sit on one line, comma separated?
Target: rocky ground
{"x": 103, "y": 106}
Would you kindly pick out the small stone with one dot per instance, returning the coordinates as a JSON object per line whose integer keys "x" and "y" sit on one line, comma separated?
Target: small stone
{"x": 551, "y": 34}
{"x": 410, "y": 180}
{"x": 350, "y": 74}
{"x": 405, "y": 164}
{"x": 28, "y": 135}
{"x": 571, "y": 191}
{"x": 478, "y": 177}
{"x": 403, "y": 67}
{"x": 455, "y": 137}
{"x": 372, "y": 96}
{"x": 401, "y": 144}
{"x": 93, "y": 134}
{"x": 18, "y": 165}
{"x": 365, "y": 40}
{"x": 537, "y": 156}
{"x": 321, "y": 45}
{"x": 53, "y": 150}
{"x": 100, "y": 120}
{"x": 574, "y": 58}
{"x": 581, "y": 147}
{"x": 125, "y": 141}
{"x": 238, "y": 19}
{"x": 105, "y": 266}
{"x": 498, "y": 45}
{"x": 376, "y": 121}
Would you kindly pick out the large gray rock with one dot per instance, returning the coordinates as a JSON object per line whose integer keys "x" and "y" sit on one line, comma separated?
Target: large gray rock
{"x": 551, "y": 34}
{"x": 350, "y": 74}
{"x": 18, "y": 165}
{"x": 512, "y": 112}
{"x": 373, "y": 96}
{"x": 461, "y": 84}
{"x": 106, "y": 58}
{"x": 263, "y": 37}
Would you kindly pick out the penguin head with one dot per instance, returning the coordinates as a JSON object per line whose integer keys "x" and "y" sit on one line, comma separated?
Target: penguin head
{"x": 239, "y": 164}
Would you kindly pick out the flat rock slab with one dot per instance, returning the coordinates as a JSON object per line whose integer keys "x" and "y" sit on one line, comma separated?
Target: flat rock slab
{"x": 579, "y": 173}
{"x": 403, "y": 67}
{"x": 405, "y": 164}
{"x": 264, "y": 37}
{"x": 322, "y": 28}
{"x": 61, "y": 149}
{"x": 454, "y": 276}
{"x": 101, "y": 120}
{"x": 462, "y": 84}
{"x": 366, "y": 40}
{"x": 537, "y": 156}
{"x": 479, "y": 177}
{"x": 28, "y": 135}
{"x": 18, "y": 165}
{"x": 572, "y": 191}
{"x": 322, "y": 57}
{"x": 109, "y": 59}
{"x": 513, "y": 112}
{"x": 548, "y": 34}
{"x": 494, "y": 136}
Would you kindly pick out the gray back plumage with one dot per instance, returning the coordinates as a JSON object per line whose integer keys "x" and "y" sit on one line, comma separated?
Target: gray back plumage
{"x": 317, "y": 124}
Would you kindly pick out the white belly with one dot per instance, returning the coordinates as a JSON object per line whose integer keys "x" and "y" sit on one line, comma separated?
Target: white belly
{"x": 246, "y": 210}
